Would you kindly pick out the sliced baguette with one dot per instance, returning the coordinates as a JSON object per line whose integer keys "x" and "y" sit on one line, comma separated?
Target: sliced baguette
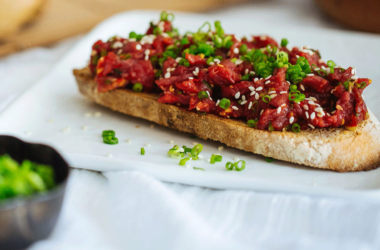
{"x": 335, "y": 148}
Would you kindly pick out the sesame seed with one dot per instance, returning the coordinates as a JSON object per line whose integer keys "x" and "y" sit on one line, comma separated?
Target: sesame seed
{"x": 117, "y": 44}
{"x": 147, "y": 52}
{"x": 311, "y": 102}
{"x": 181, "y": 150}
{"x": 138, "y": 47}
{"x": 310, "y": 74}
{"x": 147, "y": 145}
{"x": 251, "y": 88}
{"x": 353, "y": 71}
{"x": 259, "y": 89}
{"x": 97, "y": 114}
{"x": 297, "y": 56}
{"x": 256, "y": 79}
{"x": 237, "y": 95}
{"x": 333, "y": 112}
{"x": 307, "y": 115}
{"x": 311, "y": 126}
{"x": 312, "y": 116}
{"x": 252, "y": 93}
{"x": 188, "y": 166}
{"x": 167, "y": 75}
{"x": 291, "y": 119}
{"x": 257, "y": 96}
{"x": 200, "y": 157}
{"x": 195, "y": 143}
{"x": 146, "y": 57}
{"x": 238, "y": 61}
{"x": 252, "y": 72}
{"x": 313, "y": 99}
{"x": 191, "y": 78}
{"x": 283, "y": 105}
{"x": 319, "y": 109}
{"x": 236, "y": 50}
{"x": 220, "y": 148}
{"x": 288, "y": 82}
{"x": 243, "y": 97}
{"x": 272, "y": 92}
{"x": 250, "y": 105}
{"x": 178, "y": 59}
{"x": 306, "y": 107}
{"x": 267, "y": 82}
{"x": 216, "y": 60}
{"x": 211, "y": 63}
{"x": 339, "y": 107}
{"x": 109, "y": 155}
{"x": 235, "y": 159}
{"x": 171, "y": 142}
{"x": 235, "y": 108}
{"x": 354, "y": 77}
{"x": 243, "y": 102}
{"x": 278, "y": 110}
{"x": 246, "y": 71}
{"x": 84, "y": 128}
{"x": 273, "y": 96}
{"x": 263, "y": 37}
{"x": 217, "y": 102}
{"x": 320, "y": 115}
{"x": 261, "y": 111}
{"x": 302, "y": 87}
{"x": 128, "y": 140}
{"x": 88, "y": 114}
{"x": 268, "y": 77}
{"x": 283, "y": 92}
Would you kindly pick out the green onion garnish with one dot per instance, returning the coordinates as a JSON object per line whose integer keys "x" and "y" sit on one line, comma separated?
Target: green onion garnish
{"x": 362, "y": 85}
{"x": 199, "y": 168}
{"x": 108, "y": 133}
{"x": 230, "y": 166}
{"x": 243, "y": 49}
{"x": 196, "y": 150}
{"x": 270, "y": 127}
{"x": 293, "y": 87}
{"x": 266, "y": 98}
{"x": 284, "y": 42}
{"x": 331, "y": 65}
{"x": 269, "y": 159}
{"x": 296, "y": 128}
{"x": 137, "y": 87}
{"x": 202, "y": 94}
{"x": 241, "y": 167}
{"x": 215, "y": 158}
{"x": 183, "y": 161}
{"x": 252, "y": 123}
{"x": 224, "y": 103}
{"x": 142, "y": 151}
{"x": 110, "y": 140}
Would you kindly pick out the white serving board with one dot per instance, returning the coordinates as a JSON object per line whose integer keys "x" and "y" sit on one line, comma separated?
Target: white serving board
{"x": 56, "y": 97}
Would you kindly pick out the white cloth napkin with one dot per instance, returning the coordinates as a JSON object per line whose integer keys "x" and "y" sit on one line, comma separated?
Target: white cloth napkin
{"x": 130, "y": 210}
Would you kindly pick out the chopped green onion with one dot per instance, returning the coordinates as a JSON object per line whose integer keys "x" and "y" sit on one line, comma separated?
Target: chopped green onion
{"x": 284, "y": 42}
{"x": 230, "y": 166}
{"x": 142, "y": 151}
{"x": 199, "y": 168}
{"x": 293, "y": 87}
{"x": 245, "y": 77}
{"x": 224, "y": 103}
{"x": 184, "y": 62}
{"x": 196, "y": 150}
{"x": 252, "y": 123}
{"x": 331, "y": 65}
{"x": 215, "y": 158}
{"x": 271, "y": 49}
{"x": 108, "y": 133}
{"x": 362, "y": 85}
{"x": 233, "y": 60}
{"x": 346, "y": 85}
{"x": 103, "y": 52}
{"x": 296, "y": 128}
{"x": 184, "y": 41}
{"x": 202, "y": 94}
{"x": 270, "y": 127}
{"x": 183, "y": 161}
{"x": 243, "y": 49}
{"x": 137, "y": 87}
{"x": 269, "y": 159}
{"x": 110, "y": 140}
{"x": 266, "y": 98}
{"x": 241, "y": 167}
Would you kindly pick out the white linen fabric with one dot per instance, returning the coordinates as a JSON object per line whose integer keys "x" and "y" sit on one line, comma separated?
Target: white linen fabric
{"x": 130, "y": 210}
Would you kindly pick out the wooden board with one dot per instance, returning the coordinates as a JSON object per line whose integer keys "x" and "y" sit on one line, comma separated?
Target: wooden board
{"x": 64, "y": 18}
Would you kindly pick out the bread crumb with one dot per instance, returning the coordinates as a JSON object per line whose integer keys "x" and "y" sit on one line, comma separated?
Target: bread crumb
{"x": 137, "y": 126}
{"x": 171, "y": 142}
{"x": 84, "y": 128}
{"x": 87, "y": 114}
{"x": 128, "y": 140}
{"x": 109, "y": 155}
{"x": 220, "y": 148}
{"x": 97, "y": 114}
{"x": 195, "y": 143}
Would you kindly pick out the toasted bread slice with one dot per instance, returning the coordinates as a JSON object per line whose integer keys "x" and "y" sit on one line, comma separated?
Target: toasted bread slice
{"x": 333, "y": 148}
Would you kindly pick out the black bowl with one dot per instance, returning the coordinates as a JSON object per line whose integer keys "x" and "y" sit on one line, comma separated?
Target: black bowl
{"x": 24, "y": 220}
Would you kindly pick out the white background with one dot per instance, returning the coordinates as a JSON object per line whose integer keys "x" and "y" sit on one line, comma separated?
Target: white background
{"x": 131, "y": 210}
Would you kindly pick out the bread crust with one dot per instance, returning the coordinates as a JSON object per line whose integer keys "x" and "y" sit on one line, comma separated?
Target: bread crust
{"x": 332, "y": 148}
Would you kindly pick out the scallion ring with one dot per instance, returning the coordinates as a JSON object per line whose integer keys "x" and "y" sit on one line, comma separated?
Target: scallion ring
{"x": 108, "y": 133}
{"x": 266, "y": 98}
{"x": 296, "y": 128}
{"x": 284, "y": 42}
{"x": 137, "y": 87}
{"x": 215, "y": 158}
{"x": 269, "y": 159}
{"x": 202, "y": 94}
{"x": 230, "y": 166}
{"x": 224, "y": 103}
{"x": 183, "y": 161}
{"x": 142, "y": 151}
{"x": 241, "y": 167}
{"x": 110, "y": 140}
{"x": 252, "y": 123}
{"x": 362, "y": 85}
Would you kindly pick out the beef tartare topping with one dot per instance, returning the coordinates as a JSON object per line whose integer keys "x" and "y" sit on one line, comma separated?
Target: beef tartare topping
{"x": 255, "y": 79}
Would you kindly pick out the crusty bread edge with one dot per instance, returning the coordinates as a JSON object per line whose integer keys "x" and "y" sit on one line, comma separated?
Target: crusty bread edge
{"x": 335, "y": 148}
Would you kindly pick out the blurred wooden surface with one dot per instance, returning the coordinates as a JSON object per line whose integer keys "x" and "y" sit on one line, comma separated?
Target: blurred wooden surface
{"x": 65, "y": 18}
